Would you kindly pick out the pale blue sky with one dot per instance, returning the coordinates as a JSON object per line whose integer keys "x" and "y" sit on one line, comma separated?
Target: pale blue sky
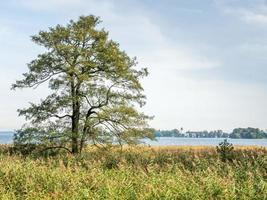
{"x": 207, "y": 59}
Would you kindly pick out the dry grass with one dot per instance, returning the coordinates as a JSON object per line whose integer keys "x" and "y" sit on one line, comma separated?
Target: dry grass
{"x": 136, "y": 173}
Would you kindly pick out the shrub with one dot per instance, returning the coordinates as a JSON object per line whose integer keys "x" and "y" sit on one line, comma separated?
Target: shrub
{"x": 225, "y": 151}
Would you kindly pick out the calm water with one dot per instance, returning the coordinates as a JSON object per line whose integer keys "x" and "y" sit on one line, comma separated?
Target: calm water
{"x": 165, "y": 141}
{"x": 6, "y": 138}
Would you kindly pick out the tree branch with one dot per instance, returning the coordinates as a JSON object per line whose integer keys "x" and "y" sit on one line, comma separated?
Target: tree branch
{"x": 61, "y": 117}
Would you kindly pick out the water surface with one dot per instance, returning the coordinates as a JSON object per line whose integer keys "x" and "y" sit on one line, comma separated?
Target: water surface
{"x": 7, "y": 137}
{"x": 176, "y": 141}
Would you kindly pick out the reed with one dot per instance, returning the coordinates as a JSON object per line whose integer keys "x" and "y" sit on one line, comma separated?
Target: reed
{"x": 136, "y": 173}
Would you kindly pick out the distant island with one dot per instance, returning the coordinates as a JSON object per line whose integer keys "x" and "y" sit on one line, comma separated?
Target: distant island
{"x": 237, "y": 133}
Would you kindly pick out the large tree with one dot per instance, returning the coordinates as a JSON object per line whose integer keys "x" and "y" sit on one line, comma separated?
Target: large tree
{"x": 95, "y": 90}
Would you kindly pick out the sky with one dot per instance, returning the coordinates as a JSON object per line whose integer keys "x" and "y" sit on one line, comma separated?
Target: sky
{"x": 207, "y": 59}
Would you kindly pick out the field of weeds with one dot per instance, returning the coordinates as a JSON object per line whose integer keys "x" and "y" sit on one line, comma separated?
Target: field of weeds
{"x": 136, "y": 173}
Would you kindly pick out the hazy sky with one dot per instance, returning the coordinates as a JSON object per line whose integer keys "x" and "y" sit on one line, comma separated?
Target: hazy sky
{"x": 207, "y": 59}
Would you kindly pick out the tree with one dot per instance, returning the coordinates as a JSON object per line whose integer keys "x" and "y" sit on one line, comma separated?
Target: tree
{"x": 249, "y": 133}
{"x": 95, "y": 90}
{"x": 225, "y": 150}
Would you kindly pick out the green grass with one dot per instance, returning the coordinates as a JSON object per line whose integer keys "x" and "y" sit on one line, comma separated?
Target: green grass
{"x": 136, "y": 173}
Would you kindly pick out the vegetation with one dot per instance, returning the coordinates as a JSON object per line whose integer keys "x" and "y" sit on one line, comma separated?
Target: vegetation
{"x": 250, "y": 133}
{"x": 246, "y": 133}
{"x": 136, "y": 173}
{"x": 95, "y": 90}
{"x": 95, "y": 97}
{"x": 225, "y": 150}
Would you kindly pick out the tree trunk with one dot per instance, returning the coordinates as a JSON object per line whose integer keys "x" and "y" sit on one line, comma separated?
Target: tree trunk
{"x": 75, "y": 119}
{"x": 74, "y": 139}
{"x": 75, "y": 128}
{"x": 75, "y": 147}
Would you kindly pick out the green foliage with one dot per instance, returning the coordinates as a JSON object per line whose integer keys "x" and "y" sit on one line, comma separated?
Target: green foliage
{"x": 225, "y": 150}
{"x": 250, "y": 133}
{"x": 95, "y": 90}
{"x": 136, "y": 173}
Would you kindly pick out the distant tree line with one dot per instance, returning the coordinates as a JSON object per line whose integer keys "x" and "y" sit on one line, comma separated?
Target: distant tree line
{"x": 249, "y": 133}
{"x": 245, "y": 133}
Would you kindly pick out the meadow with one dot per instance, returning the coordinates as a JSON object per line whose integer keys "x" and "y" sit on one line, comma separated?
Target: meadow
{"x": 136, "y": 173}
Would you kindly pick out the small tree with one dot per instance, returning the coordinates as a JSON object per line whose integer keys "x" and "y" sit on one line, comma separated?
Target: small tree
{"x": 225, "y": 150}
{"x": 95, "y": 90}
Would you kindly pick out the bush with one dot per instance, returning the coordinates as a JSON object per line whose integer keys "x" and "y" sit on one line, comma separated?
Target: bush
{"x": 225, "y": 151}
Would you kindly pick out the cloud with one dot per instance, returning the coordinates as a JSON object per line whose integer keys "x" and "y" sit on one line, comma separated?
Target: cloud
{"x": 137, "y": 33}
{"x": 62, "y": 5}
{"x": 252, "y": 17}
{"x": 12, "y": 100}
{"x": 169, "y": 58}
{"x": 143, "y": 38}
{"x": 175, "y": 98}
{"x": 256, "y": 17}
{"x": 206, "y": 104}
{"x": 255, "y": 14}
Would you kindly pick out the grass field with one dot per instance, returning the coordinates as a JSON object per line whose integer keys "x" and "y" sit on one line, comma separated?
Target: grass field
{"x": 136, "y": 173}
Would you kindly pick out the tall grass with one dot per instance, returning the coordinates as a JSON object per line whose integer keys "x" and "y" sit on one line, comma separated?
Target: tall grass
{"x": 136, "y": 173}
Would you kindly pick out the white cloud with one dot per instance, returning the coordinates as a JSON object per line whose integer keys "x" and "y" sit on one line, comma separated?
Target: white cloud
{"x": 168, "y": 58}
{"x": 142, "y": 37}
{"x": 62, "y": 5}
{"x": 67, "y": 8}
{"x": 173, "y": 98}
{"x": 249, "y": 16}
{"x": 12, "y": 100}
{"x": 255, "y": 14}
{"x": 206, "y": 104}
{"x": 136, "y": 33}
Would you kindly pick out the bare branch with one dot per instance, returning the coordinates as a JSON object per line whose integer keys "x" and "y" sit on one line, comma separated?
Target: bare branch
{"x": 61, "y": 117}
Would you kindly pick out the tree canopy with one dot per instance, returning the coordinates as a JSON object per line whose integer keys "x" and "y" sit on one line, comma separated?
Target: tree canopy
{"x": 249, "y": 133}
{"x": 95, "y": 90}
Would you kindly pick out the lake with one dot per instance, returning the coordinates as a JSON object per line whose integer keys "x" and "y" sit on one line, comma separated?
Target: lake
{"x": 6, "y": 138}
{"x": 165, "y": 141}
